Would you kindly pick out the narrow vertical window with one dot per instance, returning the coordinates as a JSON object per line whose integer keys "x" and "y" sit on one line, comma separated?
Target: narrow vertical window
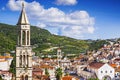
{"x": 20, "y": 61}
{"x": 28, "y": 37}
{"x": 24, "y": 60}
{"x": 27, "y": 61}
{"x": 23, "y": 38}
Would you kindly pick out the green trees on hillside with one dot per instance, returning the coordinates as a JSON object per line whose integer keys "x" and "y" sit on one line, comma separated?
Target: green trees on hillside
{"x": 42, "y": 39}
{"x": 6, "y": 44}
{"x": 97, "y": 44}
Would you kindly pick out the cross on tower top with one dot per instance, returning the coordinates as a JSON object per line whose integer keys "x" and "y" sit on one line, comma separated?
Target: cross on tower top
{"x": 23, "y": 4}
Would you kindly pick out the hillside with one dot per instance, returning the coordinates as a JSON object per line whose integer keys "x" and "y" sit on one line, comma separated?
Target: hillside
{"x": 41, "y": 40}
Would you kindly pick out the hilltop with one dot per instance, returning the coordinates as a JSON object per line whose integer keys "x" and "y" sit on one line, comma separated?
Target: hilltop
{"x": 41, "y": 40}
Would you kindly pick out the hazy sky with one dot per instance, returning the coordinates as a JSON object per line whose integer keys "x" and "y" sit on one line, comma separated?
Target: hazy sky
{"x": 80, "y": 19}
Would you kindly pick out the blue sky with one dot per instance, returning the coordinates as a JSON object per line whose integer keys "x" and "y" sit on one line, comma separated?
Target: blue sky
{"x": 80, "y": 19}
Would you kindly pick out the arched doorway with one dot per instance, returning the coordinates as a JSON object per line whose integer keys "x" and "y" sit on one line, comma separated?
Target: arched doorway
{"x": 26, "y": 77}
{"x": 22, "y": 77}
{"x": 106, "y": 78}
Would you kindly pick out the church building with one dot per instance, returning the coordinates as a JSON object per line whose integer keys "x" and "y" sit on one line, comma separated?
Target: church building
{"x": 23, "y": 49}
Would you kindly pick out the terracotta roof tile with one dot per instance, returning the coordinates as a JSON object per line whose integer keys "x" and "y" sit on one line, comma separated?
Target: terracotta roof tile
{"x": 2, "y": 57}
{"x": 96, "y": 65}
{"x": 46, "y": 66}
{"x": 67, "y": 78}
{"x": 113, "y": 65}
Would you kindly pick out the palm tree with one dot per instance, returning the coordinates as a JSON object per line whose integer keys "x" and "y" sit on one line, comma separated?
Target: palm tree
{"x": 59, "y": 73}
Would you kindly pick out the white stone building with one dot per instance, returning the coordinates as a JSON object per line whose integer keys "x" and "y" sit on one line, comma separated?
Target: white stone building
{"x": 4, "y": 65}
{"x": 102, "y": 70}
{"x": 51, "y": 71}
{"x": 5, "y": 62}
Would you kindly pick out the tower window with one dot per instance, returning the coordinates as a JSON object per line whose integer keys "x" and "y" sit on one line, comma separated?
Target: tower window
{"x": 23, "y": 38}
{"x": 20, "y": 63}
{"x": 28, "y": 43}
{"x": 24, "y": 60}
{"x": 27, "y": 60}
{"x": 22, "y": 77}
{"x": 26, "y": 77}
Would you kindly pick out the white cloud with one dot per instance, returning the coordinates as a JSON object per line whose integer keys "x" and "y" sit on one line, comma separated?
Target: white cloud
{"x": 66, "y": 2}
{"x": 15, "y": 5}
{"x": 74, "y": 24}
{"x": 41, "y": 25}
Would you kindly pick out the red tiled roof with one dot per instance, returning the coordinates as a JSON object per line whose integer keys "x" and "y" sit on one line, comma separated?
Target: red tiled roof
{"x": 113, "y": 65}
{"x": 67, "y": 78}
{"x": 2, "y": 57}
{"x": 96, "y": 65}
{"x": 46, "y": 66}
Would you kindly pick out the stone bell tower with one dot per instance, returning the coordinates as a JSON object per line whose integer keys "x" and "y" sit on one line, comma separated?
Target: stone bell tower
{"x": 23, "y": 49}
{"x": 59, "y": 56}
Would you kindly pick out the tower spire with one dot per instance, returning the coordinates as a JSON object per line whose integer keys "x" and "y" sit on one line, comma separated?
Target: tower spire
{"x": 23, "y": 29}
{"x": 23, "y": 17}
